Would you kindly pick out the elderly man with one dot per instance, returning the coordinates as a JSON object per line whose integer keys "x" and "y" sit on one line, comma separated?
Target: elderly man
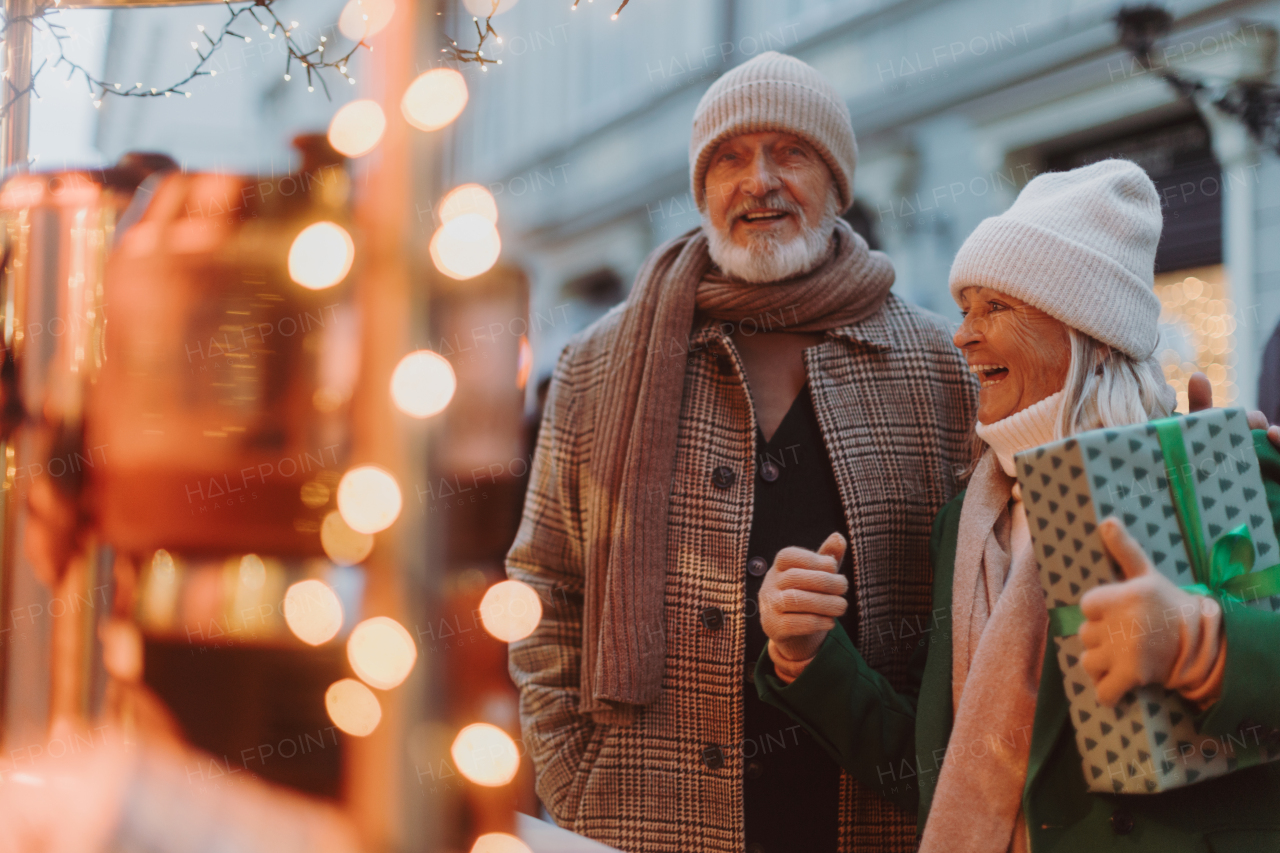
{"x": 760, "y": 388}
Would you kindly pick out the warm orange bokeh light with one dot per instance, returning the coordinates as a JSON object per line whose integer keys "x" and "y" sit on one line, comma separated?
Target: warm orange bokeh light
{"x": 321, "y": 255}
{"x": 434, "y": 99}
{"x": 361, "y": 19}
{"x": 485, "y": 754}
{"x": 341, "y": 544}
{"x": 465, "y": 246}
{"x": 312, "y": 611}
{"x": 369, "y": 499}
{"x": 357, "y": 128}
{"x": 510, "y": 610}
{"x": 381, "y": 652}
{"x": 352, "y": 707}
{"x": 423, "y": 384}
{"x": 499, "y": 842}
{"x": 469, "y": 198}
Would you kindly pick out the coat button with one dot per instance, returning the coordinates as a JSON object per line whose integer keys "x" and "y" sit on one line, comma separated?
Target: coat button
{"x": 754, "y": 770}
{"x": 712, "y": 618}
{"x": 725, "y": 365}
{"x": 770, "y": 471}
{"x": 1122, "y": 822}
{"x": 723, "y": 477}
{"x": 713, "y": 757}
{"x": 757, "y": 566}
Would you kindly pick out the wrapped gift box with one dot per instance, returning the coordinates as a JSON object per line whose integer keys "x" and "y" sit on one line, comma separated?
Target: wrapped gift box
{"x": 1149, "y": 742}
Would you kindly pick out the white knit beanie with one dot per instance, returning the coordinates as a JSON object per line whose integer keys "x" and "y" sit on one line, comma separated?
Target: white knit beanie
{"x": 774, "y": 92}
{"x": 1080, "y": 246}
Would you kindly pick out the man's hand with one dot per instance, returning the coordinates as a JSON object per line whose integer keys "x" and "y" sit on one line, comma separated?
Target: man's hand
{"x": 1200, "y": 397}
{"x": 1145, "y": 630}
{"x": 802, "y": 596}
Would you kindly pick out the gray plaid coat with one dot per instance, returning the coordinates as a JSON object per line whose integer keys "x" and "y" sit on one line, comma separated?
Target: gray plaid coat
{"x": 896, "y": 405}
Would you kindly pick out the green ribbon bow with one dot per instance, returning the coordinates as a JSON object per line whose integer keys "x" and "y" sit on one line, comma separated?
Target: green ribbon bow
{"x": 1223, "y": 570}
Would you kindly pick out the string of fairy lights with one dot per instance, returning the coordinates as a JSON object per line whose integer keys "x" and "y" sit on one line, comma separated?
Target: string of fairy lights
{"x": 259, "y": 13}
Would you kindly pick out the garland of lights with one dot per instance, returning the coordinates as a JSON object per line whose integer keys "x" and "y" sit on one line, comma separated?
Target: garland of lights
{"x": 476, "y": 55}
{"x": 259, "y": 12}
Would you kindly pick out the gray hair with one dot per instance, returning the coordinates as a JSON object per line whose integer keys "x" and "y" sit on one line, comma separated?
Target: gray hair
{"x": 1108, "y": 388}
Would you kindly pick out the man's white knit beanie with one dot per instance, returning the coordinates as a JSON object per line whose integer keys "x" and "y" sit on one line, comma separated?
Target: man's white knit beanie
{"x": 774, "y": 92}
{"x": 1080, "y": 246}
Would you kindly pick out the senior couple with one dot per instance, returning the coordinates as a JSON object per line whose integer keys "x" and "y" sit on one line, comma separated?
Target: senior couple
{"x": 766, "y": 590}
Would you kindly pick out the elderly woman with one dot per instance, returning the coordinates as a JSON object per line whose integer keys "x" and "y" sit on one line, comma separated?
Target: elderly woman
{"x": 1060, "y": 327}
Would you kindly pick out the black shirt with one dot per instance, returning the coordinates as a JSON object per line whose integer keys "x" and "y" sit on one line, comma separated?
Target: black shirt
{"x": 791, "y": 791}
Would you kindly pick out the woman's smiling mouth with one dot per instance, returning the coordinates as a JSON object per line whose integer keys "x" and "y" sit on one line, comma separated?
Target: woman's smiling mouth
{"x": 989, "y": 374}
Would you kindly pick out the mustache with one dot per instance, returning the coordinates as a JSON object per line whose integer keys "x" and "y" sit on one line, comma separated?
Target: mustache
{"x": 771, "y": 201}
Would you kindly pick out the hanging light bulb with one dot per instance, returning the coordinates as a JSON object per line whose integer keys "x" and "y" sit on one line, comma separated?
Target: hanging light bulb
{"x": 312, "y": 611}
{"x": 321, "y": 255}
{"x": 465, "y": 246}
{"x": 469, "y": 198}
{"x": 499, "y": 842}
{"x": 423, "y": 384}
{"x": 510, "y": 611}
{"x": 341, "y": 544}
{"x": 381, "y": 652}
{"x": 485, "y": 754}
{"x": 369, "y": 499}
{"x": 352, "y": 707}
{"x": 356, "y": 129}
{"x": 361, "y": 19}
{"x": 434, "y": 99}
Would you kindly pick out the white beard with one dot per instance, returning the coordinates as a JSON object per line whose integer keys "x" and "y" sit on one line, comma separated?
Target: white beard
{"x": 766, "y": 259}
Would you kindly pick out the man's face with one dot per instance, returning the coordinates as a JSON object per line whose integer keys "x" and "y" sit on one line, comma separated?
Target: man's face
{"x": 766, "y": 187}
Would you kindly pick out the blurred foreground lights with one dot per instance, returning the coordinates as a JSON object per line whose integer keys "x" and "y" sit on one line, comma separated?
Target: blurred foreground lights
{"x": 321, "y": 255}
{"x": 499, "y": 842}
{"x": 363, "y": 18}
{"x": 465, "y": 246}
{"x": 357, "y": 128}
{"x": 485, "y": 754}
{"x": 510, "y": 610}
{"x": 434, "y": 99}
{"x": 313, "y": 612}
{"x": 423, "y": 384}
{"x": 341, "y": 544}
{"x": 369, "y": 499}
{"x": 469, "y": 198}
{"x": 352, "y": 707}
{"x": 253, "y": 572}
{"x": 381, "y": 652}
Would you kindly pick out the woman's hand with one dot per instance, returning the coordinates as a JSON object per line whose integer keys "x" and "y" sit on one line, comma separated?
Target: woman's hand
{"x": 1146, "y": 630}
{"x": 800, "y": 600}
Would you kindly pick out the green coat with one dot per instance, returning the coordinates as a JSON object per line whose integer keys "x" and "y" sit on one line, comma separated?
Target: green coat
{"x": 893, "y": 741}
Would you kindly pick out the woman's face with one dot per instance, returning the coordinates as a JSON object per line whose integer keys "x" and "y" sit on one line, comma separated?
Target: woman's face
{"x": 1019, "y": 353}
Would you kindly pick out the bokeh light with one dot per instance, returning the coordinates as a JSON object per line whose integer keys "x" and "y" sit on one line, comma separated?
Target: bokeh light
{"x": 312, "y": 611}
{"x": 341, "y": 544}
{"x": 485, "y": 754}
{"x": 352, "y": 707}
{"x": 381, "y": 652}
{"x": 356, "y": 129}
{"x": 469, "y": 198}
{"x": 434, "y": 99}
{"x": 423, "y": 384}
{"x": 253, "y": 572}
{"x": 465, "y": 246}
{"x": 321, "y": 255}
{"x": 369, "y": 499}
{"x": 510, "y": 610}
{"x": 499, "y": 842}
{"x": 361, "y": 19}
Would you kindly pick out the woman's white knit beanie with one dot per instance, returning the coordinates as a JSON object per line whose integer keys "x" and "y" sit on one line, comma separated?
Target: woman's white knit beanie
{"x": 1080, "y": 246}
{"x": 774, "y": 92}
